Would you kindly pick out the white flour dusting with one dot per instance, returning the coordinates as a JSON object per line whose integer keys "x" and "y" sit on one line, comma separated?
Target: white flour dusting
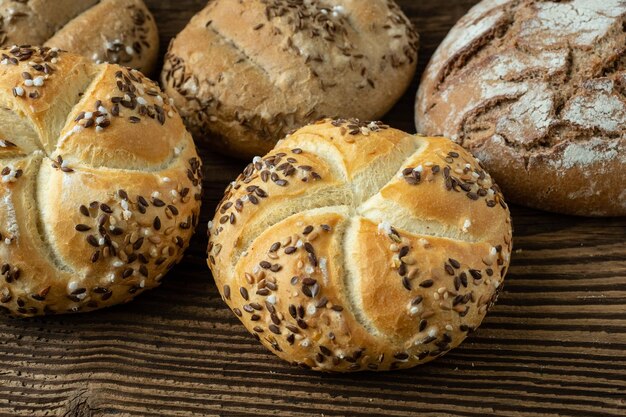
{"x": 585, "y": 21}
{"x": 510, "y": 64}
{"x": 530, "y": 117}
{"x": 484, "y": 7}
{"x": 597, "y": 108}
{"x": 595, "y": 151}
{"x": 462, "y": 38}
{"x": 508, "y": 93}
{"x": 471, "y": 27}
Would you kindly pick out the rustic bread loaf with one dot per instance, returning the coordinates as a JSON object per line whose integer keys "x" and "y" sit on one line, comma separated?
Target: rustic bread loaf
{"x": 245, "y": 73}
{"x": 536, "y": 90}
{"x": 100, "y": 183}
{"x": 352, "y": 246}
{"x": 116, "y": 31}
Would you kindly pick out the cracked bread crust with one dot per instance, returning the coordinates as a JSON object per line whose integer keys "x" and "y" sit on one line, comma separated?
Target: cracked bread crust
{"x": 99, "y": 188}
{"x": 245, "y": 73}
{"x": 352, "y": 246}
{"x": 537, "y": 91}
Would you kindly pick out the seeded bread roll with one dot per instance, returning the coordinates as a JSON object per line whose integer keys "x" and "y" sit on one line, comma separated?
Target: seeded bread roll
{"x": 536, "y": 90}
{"x": 245, "y": 73}
{"x": 100, "y": 187}
{"x": 115, "y": 31}
{"x": 352, "y": 246}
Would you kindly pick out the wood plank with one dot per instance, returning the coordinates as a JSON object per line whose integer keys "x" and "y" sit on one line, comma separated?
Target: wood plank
{"x": 555, "y": 344}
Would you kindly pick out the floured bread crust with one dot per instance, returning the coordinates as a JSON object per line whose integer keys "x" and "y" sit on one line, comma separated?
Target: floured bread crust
{"x": 536, "y": 90}
{"x": 352, "y": 246}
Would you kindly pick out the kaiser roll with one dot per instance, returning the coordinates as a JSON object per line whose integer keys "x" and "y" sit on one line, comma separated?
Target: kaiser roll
{"x": 244, "y": 73}
{"x": 100, "y": 187}
{"x": 353, "y": 246}
{"x": 537, "y": 91}
{"x": 116, "y": 31}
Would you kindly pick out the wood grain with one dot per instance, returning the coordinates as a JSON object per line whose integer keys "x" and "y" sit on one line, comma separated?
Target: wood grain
{"x": 554, "y": 345}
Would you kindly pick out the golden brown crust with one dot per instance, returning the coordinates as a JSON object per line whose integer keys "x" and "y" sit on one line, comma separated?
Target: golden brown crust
{"x": 116, "y": 31}
{"x": 90, "y": 213}
{"x": 353, "y": 246}
{"x": 140, "y": 103}
{"x": 36, "y": 21}
{"x": 29, "y": 92}
{"x": 246, "y": 73}
{"x": 536, "y": 91}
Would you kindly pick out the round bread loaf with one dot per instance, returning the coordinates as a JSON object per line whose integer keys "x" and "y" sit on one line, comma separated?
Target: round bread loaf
{"x": 100, "y": 183}
{"x": 353, "y": 246}
{"x": 245, "y": 73}
{"x": 116, "y": 31}
{"x": 536, "y": 90}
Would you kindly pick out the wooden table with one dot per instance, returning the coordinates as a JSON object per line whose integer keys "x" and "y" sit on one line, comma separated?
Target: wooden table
{"x": 555, "y": 344}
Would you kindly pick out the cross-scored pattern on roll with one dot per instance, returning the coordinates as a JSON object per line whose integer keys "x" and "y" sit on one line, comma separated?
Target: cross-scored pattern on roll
{"x": 101, "y": 183}
{"x": 353, "y": 246}
{"x": 116, "y": 31}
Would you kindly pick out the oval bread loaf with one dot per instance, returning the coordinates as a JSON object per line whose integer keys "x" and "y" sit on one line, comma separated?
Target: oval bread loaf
{"x": 116, "y": 31}
{"x": 353, "y": 246}
{"x": 536, "y": 90}
{"x": 244, "y": 73}
{"x": 100, "y": 186}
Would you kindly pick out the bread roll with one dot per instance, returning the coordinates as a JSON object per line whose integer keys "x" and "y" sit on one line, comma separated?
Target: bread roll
{"x": 353, "y": 246}
{"x": 115, "y": 31}
{"x": 536, "y": 91}
{"x": 245, "y": 73}
{"x": 100, "y": 187}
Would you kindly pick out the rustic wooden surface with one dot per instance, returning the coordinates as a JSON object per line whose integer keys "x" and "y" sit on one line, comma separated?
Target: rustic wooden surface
{"x": 554, "y": 345}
